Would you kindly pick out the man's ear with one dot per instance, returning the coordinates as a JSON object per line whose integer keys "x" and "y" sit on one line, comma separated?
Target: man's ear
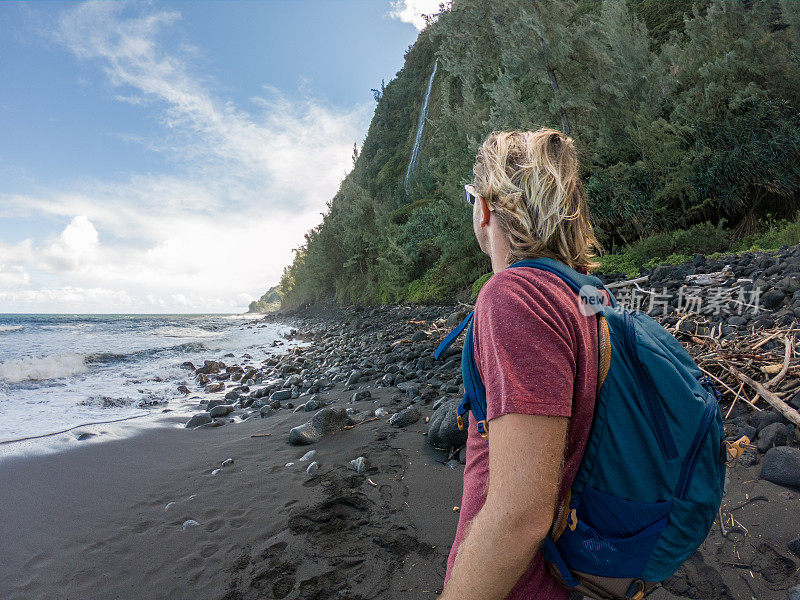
{"x": 485, "y": 212}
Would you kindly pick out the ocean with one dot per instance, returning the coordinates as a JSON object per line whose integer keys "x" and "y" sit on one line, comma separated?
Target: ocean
{"x": 62, "y": 371}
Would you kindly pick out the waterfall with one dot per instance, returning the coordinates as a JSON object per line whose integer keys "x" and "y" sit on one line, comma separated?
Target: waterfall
{"x": 423, "y": 113}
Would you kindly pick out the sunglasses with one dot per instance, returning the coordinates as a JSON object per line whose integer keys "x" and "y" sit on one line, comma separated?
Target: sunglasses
{"x": 473, "y": 195}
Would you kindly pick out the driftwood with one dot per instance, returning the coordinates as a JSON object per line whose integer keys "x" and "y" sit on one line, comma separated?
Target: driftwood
{"x": 628, "y": 282}
{"x": 745, "y": 361}
{"x": 781, "y": 406}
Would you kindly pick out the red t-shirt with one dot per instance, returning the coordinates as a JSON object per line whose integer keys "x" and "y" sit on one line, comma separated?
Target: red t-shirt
{"x": 537, "y": 355}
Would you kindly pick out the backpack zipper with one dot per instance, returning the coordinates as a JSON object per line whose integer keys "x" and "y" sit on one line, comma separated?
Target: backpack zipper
{"x": 659, "y": 420}
{"x": 689, "y": 463}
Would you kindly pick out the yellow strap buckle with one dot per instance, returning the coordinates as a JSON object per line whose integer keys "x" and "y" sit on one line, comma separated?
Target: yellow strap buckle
{"x": 737, "y": 448}
{"x": 460, "y": 422}
{"x": 572, "y": 523}
{"x": 483, "y": 429}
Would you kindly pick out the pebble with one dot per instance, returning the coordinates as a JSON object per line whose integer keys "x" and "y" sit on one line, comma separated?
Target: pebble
{"x": 228, "y": 462}
{"x": 166, "y": 508}
{"x": 794, "y": 546}
{"x": 359, "y": 464}
{"x": 190, "y": 523}
{"x": 793, "y": 593}
{"x": 215, "y": 471}
{"x": 381, "y": 412}
{"x": 308, "y": 456}
{"x": 289, "y": 464}
{"x": 312, "y": 468}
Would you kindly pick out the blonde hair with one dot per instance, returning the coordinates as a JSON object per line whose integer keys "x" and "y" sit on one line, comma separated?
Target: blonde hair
{"x": 530, "y": 179}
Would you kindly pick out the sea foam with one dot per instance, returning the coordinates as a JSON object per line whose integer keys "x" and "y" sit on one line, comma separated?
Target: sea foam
{"x": 35, "y": 368}
{"x": 11, "y": 328}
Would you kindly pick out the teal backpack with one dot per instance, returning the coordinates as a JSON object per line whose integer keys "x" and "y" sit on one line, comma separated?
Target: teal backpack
{"x": 651, "y": 479}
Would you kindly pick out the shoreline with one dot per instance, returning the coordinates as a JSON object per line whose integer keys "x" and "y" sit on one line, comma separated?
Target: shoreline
{"x": 107, "y": 520}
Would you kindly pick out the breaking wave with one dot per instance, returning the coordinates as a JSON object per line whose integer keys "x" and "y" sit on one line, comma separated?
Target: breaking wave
{"x": 35, "y": 368}
{"x": 10, "y": 328}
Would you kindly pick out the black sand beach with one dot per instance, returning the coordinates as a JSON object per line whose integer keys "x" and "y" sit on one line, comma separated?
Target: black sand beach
{"x": 111, "y": 520}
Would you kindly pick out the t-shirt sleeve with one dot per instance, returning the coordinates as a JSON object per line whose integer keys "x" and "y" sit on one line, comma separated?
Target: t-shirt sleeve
{"x": 524, "y": 350}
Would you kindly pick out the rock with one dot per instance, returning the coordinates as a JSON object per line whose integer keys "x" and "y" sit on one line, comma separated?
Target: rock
{"x": 381, "y": 412}
{"x": 215, "y": 471}
{"x": 789, "y": 285}
{"x": 794, "y": 546}
{"x": 188, "y": 365}
{"x": 748, "y": 431}
{"x": 313, "y": 405}
{"x": 228, "y": 462}
{"x": 289, "y": 464}
{"x": 749, "y": 458}
{"x": 220, "y": 410}
{"x": 84, "y": 435}
{"x": 793, "y": 593}
{"x": 308, "y": 456}
{"x": 462, "y": 455}
{"x": 456, "y": 318}
{"x": 359, "y": 464}
{"x": 419, "y": 336}
{"x": 312, "y": 468}
{"x": 198, "y": 419}
{"x": 361, "y": 395}
{"x": 405, "y": 417}
{"x": 326, "y": 421}
{"x": 443, "y": 431}
{"x": 772, "y": 299}
{"x": 771, "y": 436}
{"x": 411, "y": 390}
{"x": 189, "y": 524}
{"x": 266, "y": 411}
{"x": 167, "y": 507}
{"x": 354, "y": 377}
{"x": 183, "y": 389}
{"x": 280, "y": 396}
{"x": 782, "y": 466}
{"x": 215, "y": 387}
{"x": 761, "y": 419}
{"x": 737, "y": 321}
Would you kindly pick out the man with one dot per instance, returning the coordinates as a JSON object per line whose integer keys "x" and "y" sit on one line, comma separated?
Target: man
{"x": 537, "y": 356}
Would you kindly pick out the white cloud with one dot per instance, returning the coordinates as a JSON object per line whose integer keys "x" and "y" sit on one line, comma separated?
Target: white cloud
{"x": 219, "y": 228}
{"x": 411, "y": 11}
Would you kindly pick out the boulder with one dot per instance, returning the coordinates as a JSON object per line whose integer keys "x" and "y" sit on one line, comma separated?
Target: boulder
{"x": 419, "y": 336}
{"x": 361, "y": 395}
{"x": 782, "y": 466}
{"x": 280, "y": 396}
{"x": 443, "y": 431}
{"x": 324, "y": 422}
{"x": 405, "y": 417}
{"x": 772, "y": 436}
{"x": 198, "y": 419}
{"x": 772, "y": 299}
{"x": 220, "y": 410}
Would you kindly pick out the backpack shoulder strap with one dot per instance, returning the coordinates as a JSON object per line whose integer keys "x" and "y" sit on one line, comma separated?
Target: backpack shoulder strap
{"x": 451, "y": 337}
{"x": 577, "y": 281}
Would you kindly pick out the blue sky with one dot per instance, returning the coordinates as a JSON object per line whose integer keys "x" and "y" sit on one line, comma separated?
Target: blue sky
{"x": 167, "y": 156}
